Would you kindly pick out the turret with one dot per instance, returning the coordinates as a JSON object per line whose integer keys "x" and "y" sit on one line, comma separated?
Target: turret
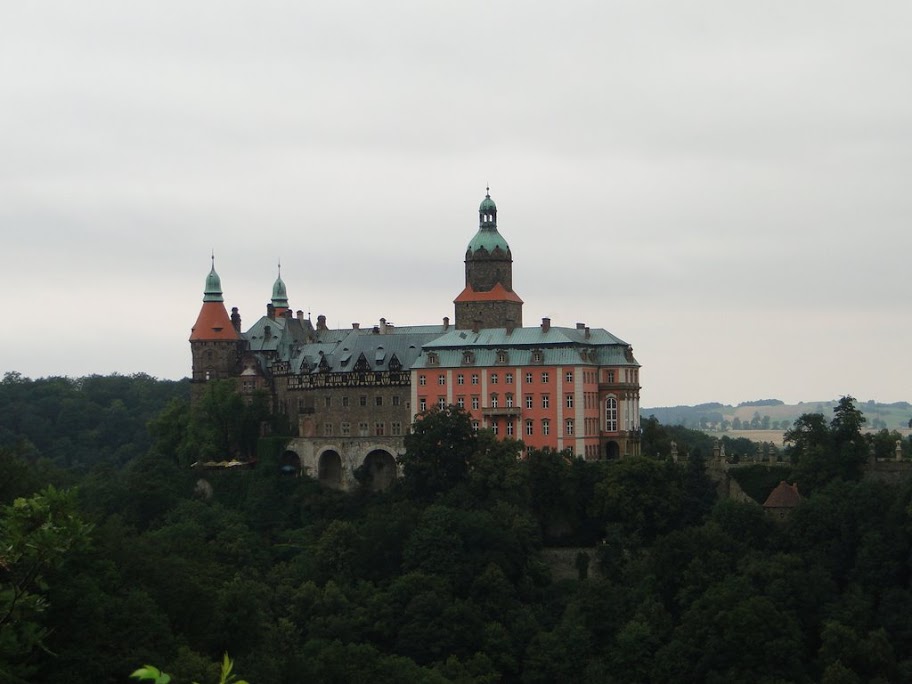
{"x": 279, "y": 295}
{"x": 215, "y": 341}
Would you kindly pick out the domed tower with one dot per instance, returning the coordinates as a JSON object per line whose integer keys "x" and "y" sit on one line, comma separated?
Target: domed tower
{"x": 488, "y": 300}
{"x": 279, "y": 295}
{"x": 215, "y": 342}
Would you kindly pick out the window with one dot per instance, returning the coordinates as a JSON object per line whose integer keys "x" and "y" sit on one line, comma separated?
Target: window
{"x": 611, "y": 414}
{"x": 474, "y": 378}
{"x": 362, "y": 429}
{"x": 441, "y": 402}
{"x": 396, "y": 400}
{"x": 475, "y": 403}
{"x": 569, "y": 401}
{"x": 536, "y": 357}
{"x": 546, "y": 427}
{"x": 528, "y": 401}
{"x": 530, "y": 428}
{"x": 545, "y": 378}
{"x": 395, "y": 429}
{"x": 422, "y": 404}
{"x": 509, "y": 428}
{"x": 501, "y": 357}
{"x": 422, "y": 380}
{"x": 509, "y": 400}
{"x": 468, "y": 357}
{"x": 493, "y": 401}
{"x": 460, "y": 379}
{"x": 300, "y": 404}
{"x": 379, "y": 429}
{"x": 569, "y": 376}
{"x": 362, "y": 400}
{"x": 508, "y": 378}
{"x": 378, "y": 401}
{"x": 327, "y": 401}
{"x": 546, "y": 401}
{"x": 441, "y": 379}
{"x": 528, "y": 378}
{"x": 569, "y": 426}
{"x": 610, "y": 376}
{"x": 346, "y": 429}
{"x": 327, "y": 429}
{"x": 494, "y": 427}
{"x": 345, "y": 402}
{"x": 433, "y": 359}
{"x": 493, "y": 378}
{"x": 460, "y": 402}
{"x": 475, "y": 425}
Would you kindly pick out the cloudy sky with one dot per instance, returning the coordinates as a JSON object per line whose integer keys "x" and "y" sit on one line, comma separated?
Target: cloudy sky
{"x": 725, "y": 185}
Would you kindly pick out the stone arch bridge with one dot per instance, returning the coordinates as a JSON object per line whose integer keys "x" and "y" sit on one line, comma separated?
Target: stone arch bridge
{"x": 333, "y": 460}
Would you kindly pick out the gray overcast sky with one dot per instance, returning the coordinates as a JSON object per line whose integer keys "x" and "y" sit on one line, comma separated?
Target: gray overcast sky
{"x": 725, "y": 185}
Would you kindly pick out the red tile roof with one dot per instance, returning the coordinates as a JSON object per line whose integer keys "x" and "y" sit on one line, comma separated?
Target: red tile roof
{"x": 498, "y": 293}
{"x": 783, "y": 496}
{"x": 213, "y": 323}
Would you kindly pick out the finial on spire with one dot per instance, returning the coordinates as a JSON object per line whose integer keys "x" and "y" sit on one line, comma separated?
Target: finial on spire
{"x": 280, "y": 267}
{"x": 487, "y": 189}
{"x": 213, "y": 257}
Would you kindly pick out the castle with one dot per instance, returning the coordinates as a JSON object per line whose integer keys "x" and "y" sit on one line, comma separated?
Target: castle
{"x": 353, "y": 393}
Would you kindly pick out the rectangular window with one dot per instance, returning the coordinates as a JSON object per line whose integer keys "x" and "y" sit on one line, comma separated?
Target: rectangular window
{"x": 378, "y": 401}
{"x": 441, "y": 379}
{"x": 528, "y": 378}
{"x": 493, "y": 378}
{"x": 569, "y": 376}
{"x": 546, "y": 427}
{"x": 395, "y": 429}
{"x": 493, "y": 401}
{"x": 362, "y": 429}
{"x": 509, "y": 401}
{"x": 509, "y": 428}
{"x": 460, "y": 379}
{"x": 475, "y": 403}
{"x": 460, "y": 402}
{"x": 346, "y": 429}
{"x": 528, "y": 401}
{"x": 327, "y": 402}
{"x": 362, "y": 400}
{"x": 508, "y": 378}
{"x": 569, "y": 426}
{"x": 327, "y": 429}
{"x": 379, "y": 429}
{"x": 546, "y": 401}
{"x": 475, "y": 425}
{"x": 441, "y": 402}
{"x": 494, "y": 427}
{"x": 545, "y": 378}
{"x": 300, "y": 404}
{"x": 611, "y": 376}
{"x": 422, "y": 380}
{"x": 530, "y": 428}
{"x": 474, "y": 378}
{"x": 396, "y": 400}
{"x": 569, "y": 401}
{"x": 422, "y": 404}
{"x": 345, "y": 402}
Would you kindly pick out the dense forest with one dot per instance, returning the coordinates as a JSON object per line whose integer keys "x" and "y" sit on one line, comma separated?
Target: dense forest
{"x": 114, "y": 553}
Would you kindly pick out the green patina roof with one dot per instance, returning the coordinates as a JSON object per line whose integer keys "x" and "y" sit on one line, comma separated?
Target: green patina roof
{"x": 487, "y": 236}
{"x": 279, "y": 294}
{"x": 213, "y": 292}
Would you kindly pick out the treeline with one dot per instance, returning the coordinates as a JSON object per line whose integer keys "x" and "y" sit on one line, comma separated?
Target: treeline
{"x": 441, "y": 578}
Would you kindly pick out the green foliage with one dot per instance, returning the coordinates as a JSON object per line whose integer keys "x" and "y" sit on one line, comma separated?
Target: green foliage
{"x": 438, "y": 451}
{"x": 149, "y": 673}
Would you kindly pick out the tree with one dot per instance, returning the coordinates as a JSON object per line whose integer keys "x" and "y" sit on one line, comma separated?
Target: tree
{"x": 438, "y": 451}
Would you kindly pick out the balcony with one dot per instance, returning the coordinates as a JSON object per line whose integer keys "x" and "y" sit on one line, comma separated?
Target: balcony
{"x": 512, "y": 411}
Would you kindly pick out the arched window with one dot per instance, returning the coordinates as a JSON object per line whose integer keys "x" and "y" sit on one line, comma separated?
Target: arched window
{"x": 611, "y": 415}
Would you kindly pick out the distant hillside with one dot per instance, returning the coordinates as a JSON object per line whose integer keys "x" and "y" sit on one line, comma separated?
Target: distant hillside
{"x": 773, "y": 414}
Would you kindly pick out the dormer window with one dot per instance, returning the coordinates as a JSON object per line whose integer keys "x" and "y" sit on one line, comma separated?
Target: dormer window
{"x": 468, "y": 358}
{"x": 433, "y": 359}
{"x": 502, "y": 357}
{"x": 536, "y": 356}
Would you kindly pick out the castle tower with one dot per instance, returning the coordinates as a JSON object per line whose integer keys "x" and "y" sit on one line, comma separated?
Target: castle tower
{"x": 279, "y": 296}
{"x": 488, "y": 300}
{"x": 215, "y": 342}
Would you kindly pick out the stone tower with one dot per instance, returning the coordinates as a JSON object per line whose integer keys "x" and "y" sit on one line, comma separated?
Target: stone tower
{"x": 488, "y": 300}
{"x": 215, "y": 339}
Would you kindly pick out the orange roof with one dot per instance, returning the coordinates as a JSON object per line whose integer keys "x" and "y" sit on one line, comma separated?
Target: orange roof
{"x": 213, "y": 323}
{"x": 783, "y": 496}
{"x": 498, "y": 293}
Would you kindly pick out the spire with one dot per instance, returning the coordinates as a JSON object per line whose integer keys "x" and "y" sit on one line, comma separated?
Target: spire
{"x": 487, "y": 212}
{"x": 487, "y": 237}
{"x": 279, "y": 294}
{"x": 213, "y": 291}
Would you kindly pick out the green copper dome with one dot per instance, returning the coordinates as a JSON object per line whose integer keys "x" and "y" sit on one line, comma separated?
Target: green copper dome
{"x": 279, "y": 295}
{"x": 213, "y": 292}
{"x": 487, "y": 236}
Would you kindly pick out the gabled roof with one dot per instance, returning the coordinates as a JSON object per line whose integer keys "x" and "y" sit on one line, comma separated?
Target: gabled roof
{"x": 783, "y": 496}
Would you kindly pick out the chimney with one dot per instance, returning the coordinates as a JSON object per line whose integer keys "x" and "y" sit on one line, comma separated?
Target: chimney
{"x": 446, "y": 322}
{"x": 287, "y": 314}
{"x": 321, "y": 322}
{"x": 270, "y": 311}
{"x": 546, "y": 324}
{"x": 235, "y": 319}
{"x": 383, "y": 326}
{"x": 588, "y": 333}
{"x": 476, "y": 325}
{"x": 267, "y": 332}
{"x": 580, "y": 326}
{"x": 376, "y": 330}
{"x": 356, "y": 326}
{"x": 511, "y": 326}
{"x": 299, "y": 314}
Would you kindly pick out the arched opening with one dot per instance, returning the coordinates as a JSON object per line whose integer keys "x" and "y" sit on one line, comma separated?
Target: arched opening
{"x": 290, "y": 463}
{"x": 612, "y": 451}
{"x": 381, "y": 469}
{"x": 329, "y": 469}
